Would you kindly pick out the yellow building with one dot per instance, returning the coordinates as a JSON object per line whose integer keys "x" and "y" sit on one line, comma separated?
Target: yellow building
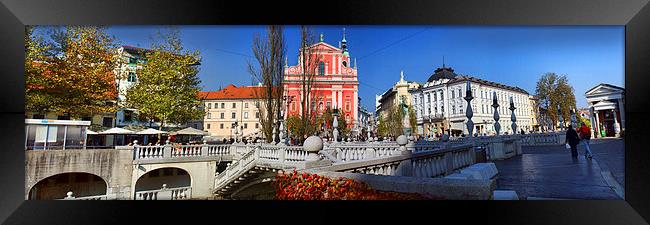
{"x": 229, "y": 107}
{"x": 395, "y": 95}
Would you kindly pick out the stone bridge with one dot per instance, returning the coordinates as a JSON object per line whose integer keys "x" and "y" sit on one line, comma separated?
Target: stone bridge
{"x": 233, "y": 171}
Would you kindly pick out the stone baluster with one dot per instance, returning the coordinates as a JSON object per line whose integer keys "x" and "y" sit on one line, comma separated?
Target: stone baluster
{"x": 513, "y": 118}
{"x": 495, "y": 105}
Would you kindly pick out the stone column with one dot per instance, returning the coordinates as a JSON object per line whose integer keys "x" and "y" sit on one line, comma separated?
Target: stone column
{"x": 597, "y": 124}
{"x": 617, "y": 126}
{"x": 592, "y": 120}
{"x": 621, "y": 110}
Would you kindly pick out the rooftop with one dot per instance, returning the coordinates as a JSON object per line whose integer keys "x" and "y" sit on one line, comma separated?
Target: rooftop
{"x": 233, "y": 92}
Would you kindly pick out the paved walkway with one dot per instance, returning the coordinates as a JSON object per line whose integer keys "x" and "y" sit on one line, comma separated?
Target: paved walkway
{"x": 551, "y": 172}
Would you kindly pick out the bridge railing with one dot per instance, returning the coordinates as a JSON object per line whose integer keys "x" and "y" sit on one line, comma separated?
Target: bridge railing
{"x": 543, "y": 139}
{"x": 180, "y": 151}
{"x": 70, "y": 196}
{"x": 430, "y": 163}
{"x": 179, "y": 193}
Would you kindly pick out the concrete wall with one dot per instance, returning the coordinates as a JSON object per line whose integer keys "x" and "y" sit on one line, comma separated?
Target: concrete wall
{"x": 201, "y": 175}
{"x": 113, "y": 166}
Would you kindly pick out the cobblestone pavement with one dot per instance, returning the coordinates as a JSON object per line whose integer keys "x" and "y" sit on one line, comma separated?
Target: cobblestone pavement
{"x": 551, "y": 172}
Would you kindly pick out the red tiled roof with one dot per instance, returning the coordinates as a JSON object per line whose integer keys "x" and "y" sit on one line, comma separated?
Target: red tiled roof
{"x": 233, "y": 92}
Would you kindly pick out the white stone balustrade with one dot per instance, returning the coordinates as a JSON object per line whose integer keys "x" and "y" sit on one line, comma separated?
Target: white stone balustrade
{"x": 70, "y": 196}
{"x": 149, "y": 152}
{"x": 186, "y": 151}
{"x": 179, "y": 193}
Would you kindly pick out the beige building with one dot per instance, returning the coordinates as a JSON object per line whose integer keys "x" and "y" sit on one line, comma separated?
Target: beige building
{"x": 227, "y": 107}
{"x": 395, "y": 95}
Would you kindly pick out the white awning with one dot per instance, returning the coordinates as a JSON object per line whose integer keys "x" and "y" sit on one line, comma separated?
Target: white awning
{"x": 151, "y": 131}
{"x": 91, "y": 132}
{"x": 117, "y": 130}
{"x": 190, "y": 131}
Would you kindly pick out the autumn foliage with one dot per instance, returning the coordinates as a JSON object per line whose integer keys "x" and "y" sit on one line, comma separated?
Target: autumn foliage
{"x": 303, "y": 186}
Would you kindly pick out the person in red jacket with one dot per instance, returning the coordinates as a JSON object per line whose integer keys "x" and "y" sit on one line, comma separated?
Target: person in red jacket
{"x": 585, "y": 135}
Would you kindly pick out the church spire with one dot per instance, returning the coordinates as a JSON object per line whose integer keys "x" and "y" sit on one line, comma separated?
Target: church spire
{"x": 286, "y": 61}
{"x": 344, "y": 43}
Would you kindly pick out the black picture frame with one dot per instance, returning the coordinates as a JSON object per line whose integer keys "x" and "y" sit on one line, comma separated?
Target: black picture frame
{"x": 634, "y": 15}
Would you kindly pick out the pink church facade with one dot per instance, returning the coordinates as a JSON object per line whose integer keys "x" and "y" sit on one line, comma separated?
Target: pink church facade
{"x": 335, "y": 84}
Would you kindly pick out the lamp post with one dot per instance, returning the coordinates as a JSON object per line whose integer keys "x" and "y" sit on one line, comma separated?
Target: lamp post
{"x": 468, "y": 112}
{"x": 559, "y": 114}
{"x": 495, "y": 105}
{"x": 513, "y": 118}
{"x": 335, "y": 125}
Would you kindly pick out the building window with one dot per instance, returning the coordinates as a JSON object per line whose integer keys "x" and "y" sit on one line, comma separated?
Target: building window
{"x": 320, "y": 106}
{"x": 245, "y": 115}
{"x": 221, "y": 126}
{"x": 223, "y": 116}
{"x": 223, "y": 105}
{"x": 329, "y": 105}
{"x": 107, "y": 122}
{"x": 234, "y": 105}
{"x": 234, "y": 115}
{"x": 345, "y": 64}
{"x": 321, "y": 68}
{"x": 210, "y": 105}
{"x": 132, "y": 77}
{"x": 257, "y": 125}
{"x": 429, "y": 98}
{"x": 209, "y": 115}
{"x": 208, "y": 126}
{"x": 257, "y": 115}
{"x": 245, "y": 126}
{"x": 246, "y": 105}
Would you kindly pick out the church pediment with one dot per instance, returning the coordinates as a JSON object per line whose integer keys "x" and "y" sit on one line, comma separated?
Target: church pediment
{"x": 604, "y": 89}
{"x": 322, "y": 46}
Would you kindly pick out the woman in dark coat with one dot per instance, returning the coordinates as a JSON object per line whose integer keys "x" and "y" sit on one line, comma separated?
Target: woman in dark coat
{"x": 572, "y": 139}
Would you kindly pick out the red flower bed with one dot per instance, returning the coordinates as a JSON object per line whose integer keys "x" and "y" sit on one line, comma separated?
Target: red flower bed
{"x": 303, "y": 186}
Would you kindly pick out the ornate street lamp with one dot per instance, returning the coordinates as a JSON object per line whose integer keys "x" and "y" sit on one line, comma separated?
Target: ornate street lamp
{"x": 495, "y": 105}
{"x": 513, "y": 118}
{"x": 335, "y": 124}
{"x": 468, "y": 112}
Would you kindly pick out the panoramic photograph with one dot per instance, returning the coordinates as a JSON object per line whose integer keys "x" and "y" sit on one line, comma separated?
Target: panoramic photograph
{"x": 327, "y": 112}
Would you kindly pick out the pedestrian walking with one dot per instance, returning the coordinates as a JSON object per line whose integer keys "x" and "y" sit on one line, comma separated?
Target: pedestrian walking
{"x": 585, "y": 136}
{"x": 572, "y": 140}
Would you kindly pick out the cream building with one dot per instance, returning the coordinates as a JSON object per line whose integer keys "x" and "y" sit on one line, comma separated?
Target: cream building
{"x": 229, "y": 107}
{"x": 440, "y": 107}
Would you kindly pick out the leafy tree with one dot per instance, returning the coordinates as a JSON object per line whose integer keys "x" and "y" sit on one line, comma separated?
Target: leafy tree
{"x": 269, "y": 53}
{"x": 391, "y": 124}
{"x": 72, "y": 74}
{"x": 554, "y": 92}
{"x": 168, "y": 83}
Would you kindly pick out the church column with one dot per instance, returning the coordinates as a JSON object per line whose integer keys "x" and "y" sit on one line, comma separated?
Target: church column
{"x": 592, "y": 119}
{"x": 333, "y": 98}
{"x": 597, "y": 130}
{"x": 621, "y": 110}
{"x": 355, "y": 106}
{"x": 340, "y": 103}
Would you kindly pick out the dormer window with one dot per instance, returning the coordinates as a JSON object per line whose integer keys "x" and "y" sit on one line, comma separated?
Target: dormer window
{"x": 345, "y": 64}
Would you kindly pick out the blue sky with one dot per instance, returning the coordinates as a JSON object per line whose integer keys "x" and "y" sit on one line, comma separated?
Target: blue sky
{"x": 512, "y": 55}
